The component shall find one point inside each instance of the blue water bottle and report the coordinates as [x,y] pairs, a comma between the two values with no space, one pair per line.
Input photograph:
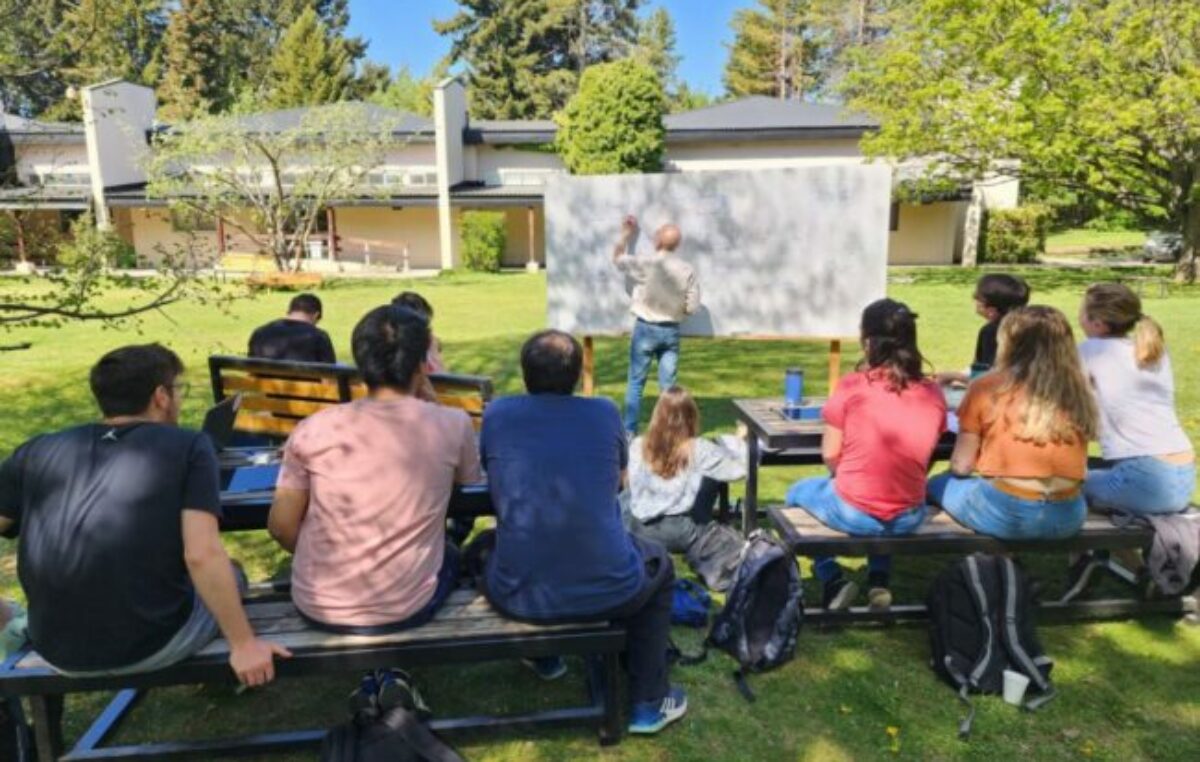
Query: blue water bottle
[793,391]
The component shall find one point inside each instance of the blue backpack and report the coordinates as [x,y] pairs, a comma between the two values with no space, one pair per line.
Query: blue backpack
[690,604]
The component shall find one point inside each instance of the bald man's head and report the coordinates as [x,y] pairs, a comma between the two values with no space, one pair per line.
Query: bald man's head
[667,237]
[551,362]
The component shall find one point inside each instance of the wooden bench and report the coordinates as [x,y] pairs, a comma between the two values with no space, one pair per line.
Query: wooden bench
[806,536]
[466,629]
[278,394]
[282,280]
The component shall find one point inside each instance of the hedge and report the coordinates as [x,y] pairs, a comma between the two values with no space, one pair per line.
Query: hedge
[483,240]
[1014,236]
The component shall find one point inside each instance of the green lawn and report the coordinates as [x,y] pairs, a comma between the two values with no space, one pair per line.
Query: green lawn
[1080,239]
[1130,690]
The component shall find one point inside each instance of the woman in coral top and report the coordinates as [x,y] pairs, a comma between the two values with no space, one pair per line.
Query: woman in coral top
[881,426]
[1021,455]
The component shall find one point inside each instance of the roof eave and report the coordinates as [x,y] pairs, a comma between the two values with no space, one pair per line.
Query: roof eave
[772,133]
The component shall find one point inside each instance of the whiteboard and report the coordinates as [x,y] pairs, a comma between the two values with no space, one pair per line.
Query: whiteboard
[794,252]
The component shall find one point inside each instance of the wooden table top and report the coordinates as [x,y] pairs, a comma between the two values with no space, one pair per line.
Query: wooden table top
[765,418]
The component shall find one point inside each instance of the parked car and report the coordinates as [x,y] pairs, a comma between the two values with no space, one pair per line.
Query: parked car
[1162,247]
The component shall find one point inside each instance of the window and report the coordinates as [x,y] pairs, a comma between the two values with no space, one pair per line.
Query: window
[421,178]
[184,220]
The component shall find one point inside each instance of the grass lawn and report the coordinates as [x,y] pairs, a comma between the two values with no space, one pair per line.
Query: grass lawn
[1081,239]
[1129,690]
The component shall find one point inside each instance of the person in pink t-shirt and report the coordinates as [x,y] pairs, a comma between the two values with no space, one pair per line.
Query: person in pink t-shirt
[881,426]
[364,487]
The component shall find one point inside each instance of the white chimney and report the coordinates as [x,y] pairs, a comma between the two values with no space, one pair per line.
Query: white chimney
[116,118]
[450,120]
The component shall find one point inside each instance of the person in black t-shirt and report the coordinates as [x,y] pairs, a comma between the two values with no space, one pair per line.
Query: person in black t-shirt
[119,552]
[295,337]
[996,294]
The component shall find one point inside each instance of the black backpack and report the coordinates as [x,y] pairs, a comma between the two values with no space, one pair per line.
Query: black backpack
[763,609]
[981,622]
[715,555]
[388,725]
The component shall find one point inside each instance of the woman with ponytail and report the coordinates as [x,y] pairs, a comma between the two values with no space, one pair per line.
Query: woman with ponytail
[1152,465]
[1024,429]
[881,426]
[675,475]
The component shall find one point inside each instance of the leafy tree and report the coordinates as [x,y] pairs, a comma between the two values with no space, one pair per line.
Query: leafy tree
[687,99]
[309,67]
[773,52]
[524,57]
[270,185]
[1100,96]
[406,93]
[193,70]
[614,124]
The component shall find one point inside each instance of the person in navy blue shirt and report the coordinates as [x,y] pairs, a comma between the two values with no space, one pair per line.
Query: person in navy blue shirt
[555,464]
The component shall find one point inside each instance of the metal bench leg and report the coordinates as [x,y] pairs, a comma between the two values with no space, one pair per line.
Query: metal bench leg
[47,726]
[610,694]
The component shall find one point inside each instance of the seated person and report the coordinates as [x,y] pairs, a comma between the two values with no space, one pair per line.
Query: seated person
[420,305]
[996,294]
[364,487]
[1152,466]
[882,424]
[119,552]
[555,464]
[1024,428]
[296,336]
[675,474]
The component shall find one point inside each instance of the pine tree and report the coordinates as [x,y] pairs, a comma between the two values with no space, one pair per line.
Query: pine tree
[311,66]
[656,47]
[406,93]
[192,84]
[774,52]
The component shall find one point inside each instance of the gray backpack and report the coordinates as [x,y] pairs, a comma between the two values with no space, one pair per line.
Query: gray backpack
[715,554]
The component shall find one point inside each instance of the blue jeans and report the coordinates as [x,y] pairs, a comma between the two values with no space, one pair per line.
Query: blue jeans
[819,498]
[1141,486]
[649,342]
[976,504]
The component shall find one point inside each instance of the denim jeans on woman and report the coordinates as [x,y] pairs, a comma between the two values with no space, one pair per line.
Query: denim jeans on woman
[819,498]
[1141,486]
[975,503]
[649,342]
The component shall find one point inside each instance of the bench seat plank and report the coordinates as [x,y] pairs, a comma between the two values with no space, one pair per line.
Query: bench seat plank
[941,534]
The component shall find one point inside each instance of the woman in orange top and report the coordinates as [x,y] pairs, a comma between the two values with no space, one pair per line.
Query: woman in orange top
[1024,429]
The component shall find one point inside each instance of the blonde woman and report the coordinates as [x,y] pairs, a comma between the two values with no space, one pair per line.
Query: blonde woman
[674,473]
[1152,465]
[1024,429]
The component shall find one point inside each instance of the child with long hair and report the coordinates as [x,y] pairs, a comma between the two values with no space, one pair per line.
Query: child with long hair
[1152,465]
[675,474]
[1024,429]
[882,424]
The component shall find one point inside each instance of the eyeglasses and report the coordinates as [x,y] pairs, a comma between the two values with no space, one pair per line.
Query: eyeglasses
[182,388]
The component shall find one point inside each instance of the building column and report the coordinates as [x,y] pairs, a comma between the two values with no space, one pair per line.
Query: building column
[532,264]
[220,236]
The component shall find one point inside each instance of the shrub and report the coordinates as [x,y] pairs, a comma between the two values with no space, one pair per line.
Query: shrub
[483,240]
[1014,236]
[87,248]
[614,123]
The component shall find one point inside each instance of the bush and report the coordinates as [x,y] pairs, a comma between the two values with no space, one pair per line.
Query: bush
[483,240]
[614,123]
[1015,236]
[92,249]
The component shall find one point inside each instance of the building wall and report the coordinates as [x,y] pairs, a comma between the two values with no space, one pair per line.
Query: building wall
[53,159]
[770,154]
[385,233]
[516,248]
[927,234]
[498,165]
[150,231]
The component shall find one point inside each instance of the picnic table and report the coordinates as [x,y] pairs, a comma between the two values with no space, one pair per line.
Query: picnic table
[776,440]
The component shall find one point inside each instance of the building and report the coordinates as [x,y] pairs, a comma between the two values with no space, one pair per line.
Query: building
[442,167]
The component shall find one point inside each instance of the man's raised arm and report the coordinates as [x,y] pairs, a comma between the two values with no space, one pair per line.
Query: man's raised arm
[629,228]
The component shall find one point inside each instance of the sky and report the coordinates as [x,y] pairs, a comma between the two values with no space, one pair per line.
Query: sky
[400,32]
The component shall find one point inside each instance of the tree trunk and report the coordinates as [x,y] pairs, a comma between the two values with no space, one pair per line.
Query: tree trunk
[19,226]
[1185,269]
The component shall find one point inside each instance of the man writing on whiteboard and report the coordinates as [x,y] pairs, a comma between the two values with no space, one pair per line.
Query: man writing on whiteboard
[665,291]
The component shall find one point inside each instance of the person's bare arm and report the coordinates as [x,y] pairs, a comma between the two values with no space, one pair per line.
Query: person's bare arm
[287,514]
[966,452]
[629,229]
[251,658]
[831,447]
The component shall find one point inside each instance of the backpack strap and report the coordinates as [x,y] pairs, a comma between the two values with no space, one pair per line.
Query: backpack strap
[964,688]
[739,677]
[418,736]
[1012,638]
[676,655]
[979,595]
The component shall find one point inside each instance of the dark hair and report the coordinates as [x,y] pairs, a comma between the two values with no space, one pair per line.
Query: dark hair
[415,302]
[309,304]
[124,380]
[1002,292]
[551,362]
[389,344]
[889,334]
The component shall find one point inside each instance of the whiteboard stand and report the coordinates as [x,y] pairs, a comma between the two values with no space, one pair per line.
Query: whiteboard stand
[589,364]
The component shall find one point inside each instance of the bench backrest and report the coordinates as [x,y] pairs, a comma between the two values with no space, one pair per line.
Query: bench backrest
[278,394]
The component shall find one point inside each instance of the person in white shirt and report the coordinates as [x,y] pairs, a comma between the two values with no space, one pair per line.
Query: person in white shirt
[664,292]
[675,474]
[1151,462]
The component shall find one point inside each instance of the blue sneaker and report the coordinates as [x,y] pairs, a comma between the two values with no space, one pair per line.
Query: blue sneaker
[547,667]
[652,716]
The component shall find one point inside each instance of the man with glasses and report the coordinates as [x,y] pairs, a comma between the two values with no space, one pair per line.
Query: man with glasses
[119,552]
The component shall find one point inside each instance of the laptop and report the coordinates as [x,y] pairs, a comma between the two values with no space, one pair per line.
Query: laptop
[218,421]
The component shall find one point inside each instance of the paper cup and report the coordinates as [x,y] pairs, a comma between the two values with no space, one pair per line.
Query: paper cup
[1014,687]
